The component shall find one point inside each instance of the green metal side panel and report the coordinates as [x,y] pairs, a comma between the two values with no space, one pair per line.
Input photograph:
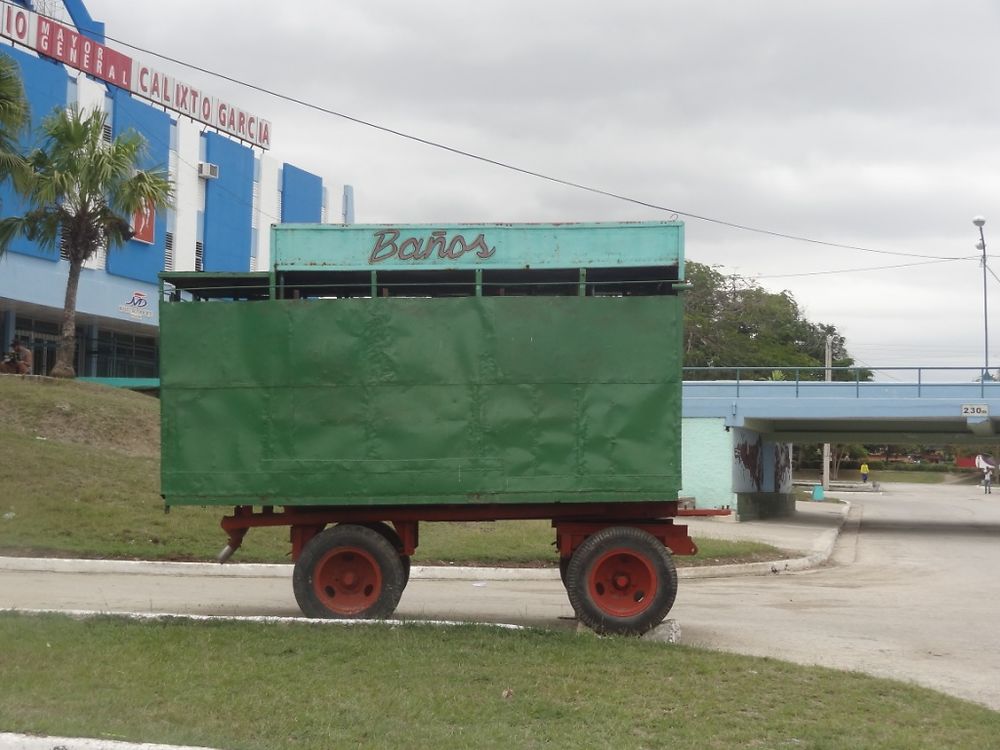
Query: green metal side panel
[418,401]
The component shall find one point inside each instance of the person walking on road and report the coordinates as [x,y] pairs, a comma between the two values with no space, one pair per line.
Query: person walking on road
[987,480]
[864,472]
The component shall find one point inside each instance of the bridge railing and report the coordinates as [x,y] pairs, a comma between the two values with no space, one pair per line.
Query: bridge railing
[859,382]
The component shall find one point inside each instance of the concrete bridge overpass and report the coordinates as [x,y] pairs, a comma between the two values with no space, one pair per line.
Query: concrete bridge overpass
[752,424]
[925,409]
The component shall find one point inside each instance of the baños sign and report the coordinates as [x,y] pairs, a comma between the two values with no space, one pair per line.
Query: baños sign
[377,247]
[436,245]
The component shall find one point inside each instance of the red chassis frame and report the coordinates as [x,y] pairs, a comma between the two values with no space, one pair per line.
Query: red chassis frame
[573,522]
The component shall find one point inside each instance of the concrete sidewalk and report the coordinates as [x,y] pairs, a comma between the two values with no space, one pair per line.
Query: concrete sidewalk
[812,531]
[11,741]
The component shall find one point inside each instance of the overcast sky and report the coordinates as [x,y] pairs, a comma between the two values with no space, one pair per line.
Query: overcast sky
[874,124]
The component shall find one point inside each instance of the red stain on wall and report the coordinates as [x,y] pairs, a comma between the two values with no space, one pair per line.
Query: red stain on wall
[749,456]
[782,466]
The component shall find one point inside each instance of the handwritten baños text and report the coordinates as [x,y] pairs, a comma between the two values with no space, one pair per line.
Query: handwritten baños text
[438,244]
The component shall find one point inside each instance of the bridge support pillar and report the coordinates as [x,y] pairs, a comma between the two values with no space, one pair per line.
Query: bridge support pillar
[762,476]
[735,467]
[754,505]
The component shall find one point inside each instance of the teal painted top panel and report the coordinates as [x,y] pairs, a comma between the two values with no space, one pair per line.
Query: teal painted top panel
[305,247]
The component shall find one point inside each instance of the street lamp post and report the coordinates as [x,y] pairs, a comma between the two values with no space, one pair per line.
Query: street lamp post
[826,446]
[979,221]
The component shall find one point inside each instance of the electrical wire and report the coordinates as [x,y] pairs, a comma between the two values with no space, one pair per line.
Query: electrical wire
[860,364]
[993,274]
[514,168]
[859,270]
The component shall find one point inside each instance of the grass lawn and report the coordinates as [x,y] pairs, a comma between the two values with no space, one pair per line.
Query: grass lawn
[889,476]
[248,686]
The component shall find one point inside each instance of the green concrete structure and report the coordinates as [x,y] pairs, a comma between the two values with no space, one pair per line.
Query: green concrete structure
[706,456]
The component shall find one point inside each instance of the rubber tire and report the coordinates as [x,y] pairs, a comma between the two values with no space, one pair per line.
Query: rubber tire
[641,544]
[564,568]
[349,535]
[390,533]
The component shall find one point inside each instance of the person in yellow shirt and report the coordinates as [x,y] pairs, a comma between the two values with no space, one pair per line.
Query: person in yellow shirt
[864,472]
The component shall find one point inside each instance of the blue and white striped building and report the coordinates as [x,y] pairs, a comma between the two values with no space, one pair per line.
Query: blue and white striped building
[228,191]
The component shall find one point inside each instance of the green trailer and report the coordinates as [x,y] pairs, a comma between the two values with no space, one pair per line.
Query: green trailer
[379,376]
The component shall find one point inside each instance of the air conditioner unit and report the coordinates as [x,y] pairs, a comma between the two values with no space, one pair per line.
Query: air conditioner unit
[208,171]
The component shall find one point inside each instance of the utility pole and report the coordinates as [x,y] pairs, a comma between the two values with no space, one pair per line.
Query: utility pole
[981,245]
[826,446]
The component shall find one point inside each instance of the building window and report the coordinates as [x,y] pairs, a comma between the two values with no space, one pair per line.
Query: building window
[99,260]
[255,212]
[121,355]
[199,256]
[41,337]
[172,160]
[168,252]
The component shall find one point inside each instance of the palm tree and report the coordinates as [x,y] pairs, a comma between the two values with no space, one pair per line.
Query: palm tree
[83,192]
[13,117]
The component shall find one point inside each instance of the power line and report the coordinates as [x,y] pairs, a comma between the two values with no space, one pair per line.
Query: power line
[876,370]
[869,268]
[523,170]
[993,274]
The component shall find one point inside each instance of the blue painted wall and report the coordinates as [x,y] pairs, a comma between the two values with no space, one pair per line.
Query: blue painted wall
[301,196]
[45,84]
[137,260]
[228,205]
[34,281]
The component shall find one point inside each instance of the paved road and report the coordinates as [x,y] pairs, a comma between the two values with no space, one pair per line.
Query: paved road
[912,592]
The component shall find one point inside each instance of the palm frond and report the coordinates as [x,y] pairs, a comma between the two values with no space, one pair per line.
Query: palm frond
[14,110]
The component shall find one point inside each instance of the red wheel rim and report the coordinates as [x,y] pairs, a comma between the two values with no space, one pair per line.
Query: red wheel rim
[347,580]
[622,583]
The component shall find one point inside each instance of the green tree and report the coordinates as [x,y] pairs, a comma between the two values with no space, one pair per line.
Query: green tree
[13,118]
[83,192]
[730,321]
[841,452]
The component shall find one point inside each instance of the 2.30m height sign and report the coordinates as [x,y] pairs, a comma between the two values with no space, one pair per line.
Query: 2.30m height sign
[975,410]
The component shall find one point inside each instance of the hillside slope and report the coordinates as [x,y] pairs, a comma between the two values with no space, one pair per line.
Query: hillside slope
[66,411]
[80,477]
